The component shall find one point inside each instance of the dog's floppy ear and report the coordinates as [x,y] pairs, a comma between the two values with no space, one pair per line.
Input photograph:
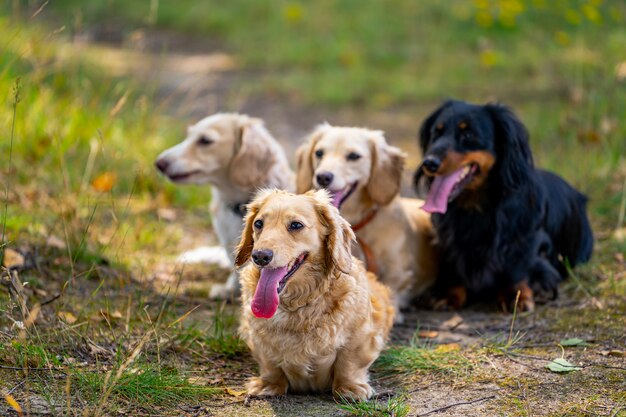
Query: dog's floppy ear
[246,242]
[340,235]
[514,161]
[304,160]
[386,172]
[427,125]
[253,154]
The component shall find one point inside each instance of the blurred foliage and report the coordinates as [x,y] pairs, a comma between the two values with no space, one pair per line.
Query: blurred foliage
[384,52]
[83,149]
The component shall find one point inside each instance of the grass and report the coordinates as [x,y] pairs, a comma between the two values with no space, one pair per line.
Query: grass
[395,406]
[219,337]
[393,52]
[421,358]
[105,360]
[82,150]
[145,385]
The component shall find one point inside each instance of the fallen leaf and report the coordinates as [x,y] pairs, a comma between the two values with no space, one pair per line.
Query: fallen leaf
[597,303]
[116,314]
[167,214]
[448,347]
[67,317]
[97,350]
[55,242]
[573,342]
[453,322]
[215,381]
[428,334]
[613,352]
[619,258]
[40,292]
[12,259]
[620,234]
[14,405]
[235,393]
[104,182]
[561,365]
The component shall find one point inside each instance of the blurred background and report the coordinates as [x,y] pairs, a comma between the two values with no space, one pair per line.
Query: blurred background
[93,90]
[106,85]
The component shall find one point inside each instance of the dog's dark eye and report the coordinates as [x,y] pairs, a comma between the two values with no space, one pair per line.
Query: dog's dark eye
[204,141]
[295,226]
[467,138]
[258,224]
[319,153]
[353,156]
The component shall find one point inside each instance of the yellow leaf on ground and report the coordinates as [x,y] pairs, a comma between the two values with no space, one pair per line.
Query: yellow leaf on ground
[9,399]
[109,315]
[67,317]
[235,393]
[104,182]
[428,334]
[448,347]
[12,258]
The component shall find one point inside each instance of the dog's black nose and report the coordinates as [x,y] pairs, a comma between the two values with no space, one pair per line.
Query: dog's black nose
[262,257]
[432,164]
[161,164]
[324,178]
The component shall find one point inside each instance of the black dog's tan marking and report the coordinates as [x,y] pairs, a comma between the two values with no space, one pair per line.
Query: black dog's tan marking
[456,160]
[503,226]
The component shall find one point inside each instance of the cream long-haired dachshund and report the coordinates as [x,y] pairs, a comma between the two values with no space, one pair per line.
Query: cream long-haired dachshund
[236,155]
[363,173]
[313,317]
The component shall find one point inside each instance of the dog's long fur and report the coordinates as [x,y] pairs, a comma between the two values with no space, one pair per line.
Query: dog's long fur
[333,317]
[512,226]
[400,235]
[236,155]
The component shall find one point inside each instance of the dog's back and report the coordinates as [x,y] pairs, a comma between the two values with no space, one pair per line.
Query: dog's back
[566,220]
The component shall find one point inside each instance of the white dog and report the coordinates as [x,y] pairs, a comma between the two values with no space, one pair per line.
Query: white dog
[236,155]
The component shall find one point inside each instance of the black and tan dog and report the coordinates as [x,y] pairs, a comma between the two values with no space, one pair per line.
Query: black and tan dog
[503,226]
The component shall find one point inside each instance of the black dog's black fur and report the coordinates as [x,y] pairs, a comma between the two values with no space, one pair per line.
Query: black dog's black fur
[523,224]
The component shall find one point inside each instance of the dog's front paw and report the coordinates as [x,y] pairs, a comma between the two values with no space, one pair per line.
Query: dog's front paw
[257,387]
[353,391]
[524,304]
[455,299]
[519,296]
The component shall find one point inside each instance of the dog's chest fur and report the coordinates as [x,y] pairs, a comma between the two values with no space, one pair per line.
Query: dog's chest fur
[467,238]
[493,243]
[304,343]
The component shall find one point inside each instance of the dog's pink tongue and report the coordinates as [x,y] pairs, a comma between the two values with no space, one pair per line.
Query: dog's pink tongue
[440,189]
[337,196]
[265,300]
